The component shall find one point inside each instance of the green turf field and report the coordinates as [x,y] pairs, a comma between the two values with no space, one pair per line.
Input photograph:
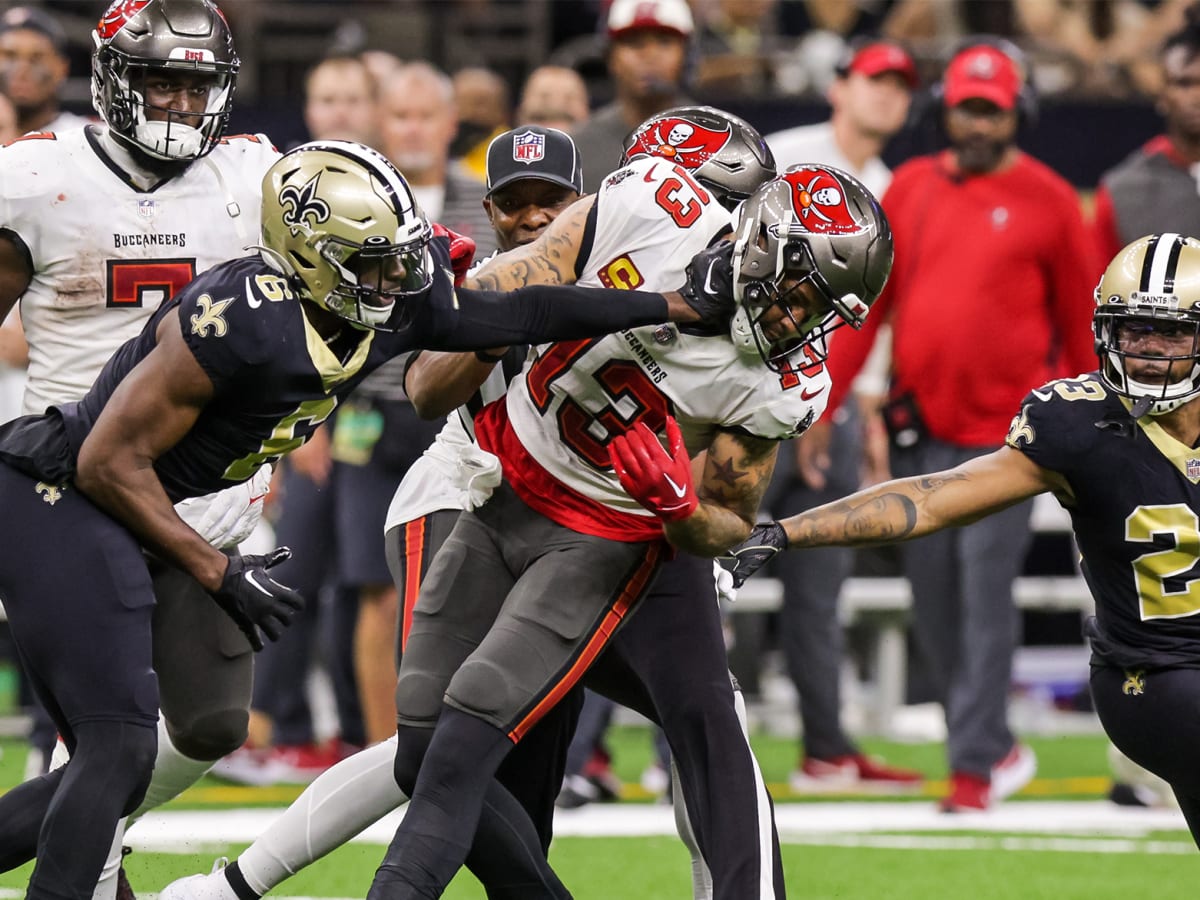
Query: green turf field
[932,863]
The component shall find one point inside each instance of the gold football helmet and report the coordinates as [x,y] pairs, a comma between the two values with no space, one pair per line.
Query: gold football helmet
[1148,309]
[342,222]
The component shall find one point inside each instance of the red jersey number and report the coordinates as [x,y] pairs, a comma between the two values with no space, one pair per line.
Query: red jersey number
[681,197]
[146,282]
[623,382]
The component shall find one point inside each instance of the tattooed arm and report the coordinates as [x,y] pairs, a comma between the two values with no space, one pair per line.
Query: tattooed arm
[736,471]
[911,507]
[548,260]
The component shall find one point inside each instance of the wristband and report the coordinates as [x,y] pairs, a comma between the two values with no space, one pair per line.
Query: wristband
[484,357]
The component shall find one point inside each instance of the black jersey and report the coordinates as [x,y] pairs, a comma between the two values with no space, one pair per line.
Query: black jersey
[275,379]
[1136,518]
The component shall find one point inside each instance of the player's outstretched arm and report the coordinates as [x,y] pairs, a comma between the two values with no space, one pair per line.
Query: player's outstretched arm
[149,412]
[548,260]
[911,507]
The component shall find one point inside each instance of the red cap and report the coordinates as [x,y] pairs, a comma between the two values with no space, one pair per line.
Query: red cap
[660,15]
[984,73]
[882,57]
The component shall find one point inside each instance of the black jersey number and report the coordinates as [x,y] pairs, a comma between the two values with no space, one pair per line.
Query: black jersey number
[634,398]
[146,283]
[1164,589]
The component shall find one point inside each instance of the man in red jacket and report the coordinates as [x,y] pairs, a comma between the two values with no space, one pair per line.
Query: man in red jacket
[990,296]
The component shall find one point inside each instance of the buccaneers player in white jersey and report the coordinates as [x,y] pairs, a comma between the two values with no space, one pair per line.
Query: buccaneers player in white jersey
[98,226]
[530,587]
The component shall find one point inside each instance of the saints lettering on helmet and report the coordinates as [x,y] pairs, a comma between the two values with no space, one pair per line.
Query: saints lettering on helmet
[117,15]
[680,140]
[819,201]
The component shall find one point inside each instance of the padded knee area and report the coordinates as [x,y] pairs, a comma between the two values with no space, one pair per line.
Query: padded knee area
[488,688]
[418,697]
[120,754]
[210,736]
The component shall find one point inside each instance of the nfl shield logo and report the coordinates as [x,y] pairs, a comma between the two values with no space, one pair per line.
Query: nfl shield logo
[147,209]
[1193,469]
[528,147]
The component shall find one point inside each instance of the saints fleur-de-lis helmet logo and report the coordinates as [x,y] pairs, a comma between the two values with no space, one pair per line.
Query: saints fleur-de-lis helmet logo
[301,203]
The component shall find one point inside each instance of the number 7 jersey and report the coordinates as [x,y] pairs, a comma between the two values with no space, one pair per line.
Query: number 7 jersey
[552,429]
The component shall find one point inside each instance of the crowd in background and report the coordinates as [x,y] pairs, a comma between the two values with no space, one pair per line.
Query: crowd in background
[602,69]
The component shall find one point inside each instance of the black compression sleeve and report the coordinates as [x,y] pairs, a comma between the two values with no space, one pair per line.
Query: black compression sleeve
[541,313]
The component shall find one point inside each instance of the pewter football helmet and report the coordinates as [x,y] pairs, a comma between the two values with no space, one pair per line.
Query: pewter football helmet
[1152,286]
[137,38]
[822,225]
[341,221]
[722,152]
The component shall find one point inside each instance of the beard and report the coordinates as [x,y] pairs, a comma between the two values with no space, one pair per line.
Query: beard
[979,155]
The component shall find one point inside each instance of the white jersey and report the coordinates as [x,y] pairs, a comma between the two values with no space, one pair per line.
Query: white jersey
[650,220]
[105,254]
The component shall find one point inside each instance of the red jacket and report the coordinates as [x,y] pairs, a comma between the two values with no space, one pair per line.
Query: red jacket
[990,295]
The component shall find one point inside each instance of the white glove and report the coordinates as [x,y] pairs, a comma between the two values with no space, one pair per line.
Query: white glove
[477,474]
[726,592]
[226,518]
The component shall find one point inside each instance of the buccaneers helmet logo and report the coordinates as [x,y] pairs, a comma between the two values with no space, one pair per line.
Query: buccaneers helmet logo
[299,203]
[117,15]
[820,202]
[680,140]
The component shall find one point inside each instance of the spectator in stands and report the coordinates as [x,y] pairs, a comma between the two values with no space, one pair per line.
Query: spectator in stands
[991,288]
[1156,187]
[647,59]
[341,101]
[33,67]
[869,102]
[736,44]
[555,97]
[483,103]
[418,123]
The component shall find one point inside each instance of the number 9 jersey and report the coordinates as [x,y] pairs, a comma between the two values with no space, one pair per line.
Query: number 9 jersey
[1136,516]
[551,431]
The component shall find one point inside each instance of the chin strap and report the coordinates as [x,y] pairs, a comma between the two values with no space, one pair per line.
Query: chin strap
[1141,406]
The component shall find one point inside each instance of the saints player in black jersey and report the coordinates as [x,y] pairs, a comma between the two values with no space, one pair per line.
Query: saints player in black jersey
[1118,448]
[232,373]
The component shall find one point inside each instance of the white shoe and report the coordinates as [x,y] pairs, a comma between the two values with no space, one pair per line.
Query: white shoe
[214,886]
[1013,772]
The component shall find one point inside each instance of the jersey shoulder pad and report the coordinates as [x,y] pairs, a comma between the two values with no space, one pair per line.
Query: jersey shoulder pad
[787,405]
[235,313]
[35,164]
[1062,420]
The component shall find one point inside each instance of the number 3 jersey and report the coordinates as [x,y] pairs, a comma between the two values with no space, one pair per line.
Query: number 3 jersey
[106,254]
[1136,517]
[552,430]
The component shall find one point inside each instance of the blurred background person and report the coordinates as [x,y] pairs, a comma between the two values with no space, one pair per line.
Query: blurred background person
[648,46]
[736,45]
[33,67]
[341,101]
[555,97]
[869,102]
[989,297]
[418,122]
[484,102]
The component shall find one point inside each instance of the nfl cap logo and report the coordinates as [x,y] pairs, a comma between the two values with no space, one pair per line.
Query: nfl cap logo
[528,147]
[532,151]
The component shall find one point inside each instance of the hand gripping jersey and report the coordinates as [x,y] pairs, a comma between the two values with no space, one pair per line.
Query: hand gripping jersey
[105,254]
[651,218]
[1136,518]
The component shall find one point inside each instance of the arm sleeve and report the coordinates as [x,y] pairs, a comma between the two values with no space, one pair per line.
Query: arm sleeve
[538,314]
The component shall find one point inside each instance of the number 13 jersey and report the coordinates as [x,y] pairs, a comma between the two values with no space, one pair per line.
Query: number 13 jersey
[552,429]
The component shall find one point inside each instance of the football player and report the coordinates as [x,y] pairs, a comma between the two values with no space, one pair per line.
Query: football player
[98,226]
[234,371]
[529,587]
[1139,534]
[525,196]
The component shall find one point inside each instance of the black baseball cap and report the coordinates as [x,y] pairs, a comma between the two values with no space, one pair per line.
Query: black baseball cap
[533,151]
[33,19]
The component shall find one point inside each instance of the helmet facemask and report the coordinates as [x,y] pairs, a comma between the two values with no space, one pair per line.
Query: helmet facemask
[373,278]
[1147,310]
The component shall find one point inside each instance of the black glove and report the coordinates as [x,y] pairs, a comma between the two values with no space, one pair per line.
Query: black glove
[254,600]
[756,551]
[709,289]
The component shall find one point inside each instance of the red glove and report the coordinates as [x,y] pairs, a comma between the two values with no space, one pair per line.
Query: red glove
[659,481]
[462,251]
